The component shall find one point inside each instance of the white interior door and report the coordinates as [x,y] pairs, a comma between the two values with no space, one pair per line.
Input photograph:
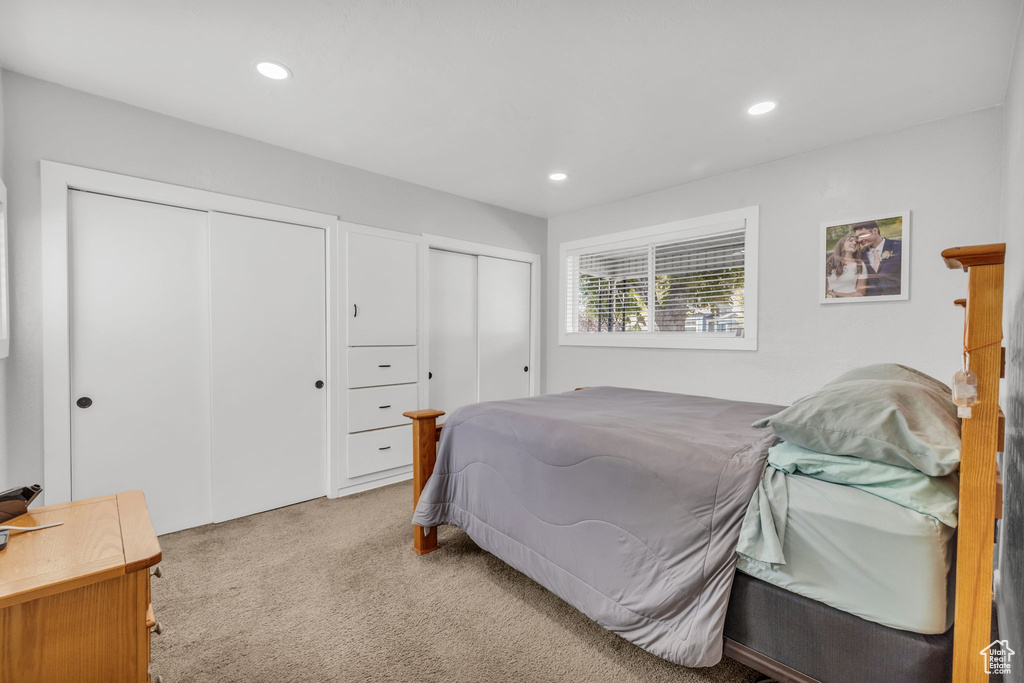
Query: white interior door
[268,289]
[504,328]
[382,276]
[140,356]
[453,330]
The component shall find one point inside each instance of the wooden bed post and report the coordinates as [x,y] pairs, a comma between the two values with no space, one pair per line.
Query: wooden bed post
[979,443]
[424,455]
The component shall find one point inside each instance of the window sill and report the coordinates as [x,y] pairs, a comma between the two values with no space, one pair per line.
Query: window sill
[664,340]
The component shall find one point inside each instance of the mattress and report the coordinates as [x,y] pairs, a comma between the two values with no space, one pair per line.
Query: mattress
[864,555]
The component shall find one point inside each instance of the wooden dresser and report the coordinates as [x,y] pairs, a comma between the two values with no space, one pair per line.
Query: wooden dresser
[74,599]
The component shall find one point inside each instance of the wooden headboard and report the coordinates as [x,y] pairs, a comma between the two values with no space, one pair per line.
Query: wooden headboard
[981,438]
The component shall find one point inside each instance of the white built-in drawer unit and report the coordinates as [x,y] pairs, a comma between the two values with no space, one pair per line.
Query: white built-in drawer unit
[382,357]
[379,407]
[374,366]
[379,450]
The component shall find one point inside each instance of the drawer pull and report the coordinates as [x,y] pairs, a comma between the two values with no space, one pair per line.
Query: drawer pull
[158,573]
[158,628]
[355,310]
[383,366]
[384,448]
[383,407]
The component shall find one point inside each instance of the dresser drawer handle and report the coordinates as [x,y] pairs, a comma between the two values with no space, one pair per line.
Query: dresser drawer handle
[383,366]
[158,628]
[384,448]
[158,573]
[383,407]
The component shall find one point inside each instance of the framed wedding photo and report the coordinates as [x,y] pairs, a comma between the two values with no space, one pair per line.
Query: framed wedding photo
[865,260]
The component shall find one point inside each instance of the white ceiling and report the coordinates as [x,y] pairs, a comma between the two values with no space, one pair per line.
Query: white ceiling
[484,98]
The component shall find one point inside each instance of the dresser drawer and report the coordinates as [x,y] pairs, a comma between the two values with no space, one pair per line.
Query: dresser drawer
[377,365]
[379,450]
[379,407]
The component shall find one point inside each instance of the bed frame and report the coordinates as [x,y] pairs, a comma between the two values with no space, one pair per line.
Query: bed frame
[980,488]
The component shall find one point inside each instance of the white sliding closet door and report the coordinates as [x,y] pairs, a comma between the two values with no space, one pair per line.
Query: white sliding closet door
[140,355]
[453,330]
[504,328]
[268,353]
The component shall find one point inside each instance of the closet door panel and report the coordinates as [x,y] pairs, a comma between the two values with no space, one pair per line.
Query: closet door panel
[269,350]
[140,322]
[504,328]
[453,330]
[382,284]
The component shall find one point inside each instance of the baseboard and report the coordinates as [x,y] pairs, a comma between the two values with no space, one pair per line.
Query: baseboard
[376,483]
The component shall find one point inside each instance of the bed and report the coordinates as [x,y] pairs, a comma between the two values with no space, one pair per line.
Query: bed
[531,481]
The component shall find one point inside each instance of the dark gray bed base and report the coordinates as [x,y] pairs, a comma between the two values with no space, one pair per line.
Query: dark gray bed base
[810,642]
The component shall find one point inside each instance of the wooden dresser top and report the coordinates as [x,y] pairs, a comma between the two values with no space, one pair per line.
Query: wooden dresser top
[101,538]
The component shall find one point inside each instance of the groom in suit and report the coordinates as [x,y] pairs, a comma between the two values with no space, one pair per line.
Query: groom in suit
[882,257]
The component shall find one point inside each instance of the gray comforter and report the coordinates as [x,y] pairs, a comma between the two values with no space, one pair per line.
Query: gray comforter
[625,503]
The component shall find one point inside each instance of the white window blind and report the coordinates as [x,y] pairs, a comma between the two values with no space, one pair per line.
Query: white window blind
[683,284]
[699,284]
[611,288]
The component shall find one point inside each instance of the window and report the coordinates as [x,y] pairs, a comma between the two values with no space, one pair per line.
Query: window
[687,284]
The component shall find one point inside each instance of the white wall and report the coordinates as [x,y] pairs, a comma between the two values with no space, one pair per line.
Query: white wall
[3,362]
[946,172]
[1013,178]
[47,121]
[1,123]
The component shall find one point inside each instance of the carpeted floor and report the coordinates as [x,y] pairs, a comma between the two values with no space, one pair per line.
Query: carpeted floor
[330,590]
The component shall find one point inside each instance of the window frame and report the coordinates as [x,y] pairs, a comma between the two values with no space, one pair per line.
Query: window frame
[747,217]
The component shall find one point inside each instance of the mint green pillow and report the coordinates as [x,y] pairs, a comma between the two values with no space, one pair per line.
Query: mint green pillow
[933,496]
[902,423]
[891,371]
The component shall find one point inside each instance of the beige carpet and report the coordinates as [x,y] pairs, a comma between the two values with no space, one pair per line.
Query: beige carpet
[330,590]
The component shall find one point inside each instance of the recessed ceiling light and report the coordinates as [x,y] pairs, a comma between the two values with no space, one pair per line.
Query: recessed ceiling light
[558,176]
[273,70]
[761,108]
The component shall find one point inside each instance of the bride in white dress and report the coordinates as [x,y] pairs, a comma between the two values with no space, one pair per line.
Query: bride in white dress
[845,273]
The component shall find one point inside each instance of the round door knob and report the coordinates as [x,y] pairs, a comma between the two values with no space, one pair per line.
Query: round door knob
[84,402]
[319,384]
[526,368]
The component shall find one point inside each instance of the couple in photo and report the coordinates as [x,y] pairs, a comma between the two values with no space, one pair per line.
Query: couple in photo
[864,263]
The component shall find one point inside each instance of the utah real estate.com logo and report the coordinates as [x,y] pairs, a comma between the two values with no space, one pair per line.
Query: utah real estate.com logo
[997,657]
